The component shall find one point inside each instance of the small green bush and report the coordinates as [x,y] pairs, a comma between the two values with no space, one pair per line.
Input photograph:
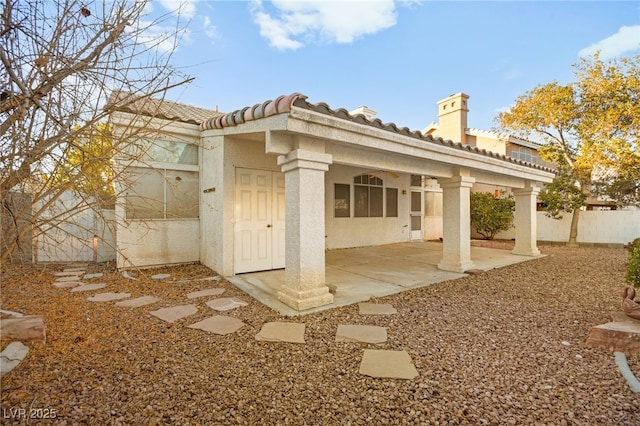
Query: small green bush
[633,270]
[490,214]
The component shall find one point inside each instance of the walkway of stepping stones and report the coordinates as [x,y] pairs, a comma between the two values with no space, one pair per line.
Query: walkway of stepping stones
[375,363]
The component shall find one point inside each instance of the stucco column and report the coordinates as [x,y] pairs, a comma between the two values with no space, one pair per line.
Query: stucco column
[304,286]
[456,224]
[525,221]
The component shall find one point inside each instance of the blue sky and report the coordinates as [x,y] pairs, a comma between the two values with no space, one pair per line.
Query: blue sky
[396,57]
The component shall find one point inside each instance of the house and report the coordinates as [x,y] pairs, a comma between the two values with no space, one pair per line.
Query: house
[276,184]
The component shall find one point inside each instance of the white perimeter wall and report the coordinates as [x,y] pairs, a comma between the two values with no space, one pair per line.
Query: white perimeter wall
[68,230]
[594,226]
[344,232]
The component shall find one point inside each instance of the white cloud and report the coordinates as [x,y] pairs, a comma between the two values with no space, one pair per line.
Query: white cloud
[625,40]
[210,30]
[292,24]
[163,38]
[183,8]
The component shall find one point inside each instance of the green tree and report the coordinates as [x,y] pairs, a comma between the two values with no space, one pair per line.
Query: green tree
[590,129]
[491,214]
[87,163]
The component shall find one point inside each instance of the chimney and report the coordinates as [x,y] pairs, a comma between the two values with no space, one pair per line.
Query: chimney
[452,117]
[367,112]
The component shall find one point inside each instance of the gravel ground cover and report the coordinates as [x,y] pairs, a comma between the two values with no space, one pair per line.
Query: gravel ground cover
[503,347]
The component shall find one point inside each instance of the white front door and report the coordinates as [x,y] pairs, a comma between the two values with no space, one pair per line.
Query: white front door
[260,220]
[416,215]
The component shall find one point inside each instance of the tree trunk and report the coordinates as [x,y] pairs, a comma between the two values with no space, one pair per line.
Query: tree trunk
[573,233]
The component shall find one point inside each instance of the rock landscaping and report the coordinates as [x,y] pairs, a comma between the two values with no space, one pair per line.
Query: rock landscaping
[503,347]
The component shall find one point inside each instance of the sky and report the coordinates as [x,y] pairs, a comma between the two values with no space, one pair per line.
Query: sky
[396,57]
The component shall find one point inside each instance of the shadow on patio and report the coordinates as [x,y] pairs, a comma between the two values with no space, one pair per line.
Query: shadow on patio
[361,273]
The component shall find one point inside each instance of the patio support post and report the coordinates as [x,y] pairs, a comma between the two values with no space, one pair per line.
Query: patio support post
[456,235]
[525,221]
[304,286]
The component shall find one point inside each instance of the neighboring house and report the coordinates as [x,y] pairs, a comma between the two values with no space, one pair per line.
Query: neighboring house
[276,184]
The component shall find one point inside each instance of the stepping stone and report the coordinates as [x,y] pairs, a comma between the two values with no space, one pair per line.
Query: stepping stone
[88,287]
[225,303]
[11,356]
[90,276]
[68,278]
[361,333]
[68,284]
[12,313]
[128,276]
[214,278]
[27,328]
[387,364]
[174,313]
[108,297]
[219,325]
[282,332]
[207,292]
[160,276]
[377,309]
[139,301]
[78,269]
[67,273]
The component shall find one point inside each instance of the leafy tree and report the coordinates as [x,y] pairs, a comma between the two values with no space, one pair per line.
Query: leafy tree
[590,128]
[491,214]
[86,163]
[60,60]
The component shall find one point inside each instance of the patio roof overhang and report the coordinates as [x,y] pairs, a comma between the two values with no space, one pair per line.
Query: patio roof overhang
[290,123]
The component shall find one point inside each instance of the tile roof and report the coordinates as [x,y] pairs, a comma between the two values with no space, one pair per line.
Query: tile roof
[160,108]
[285,103]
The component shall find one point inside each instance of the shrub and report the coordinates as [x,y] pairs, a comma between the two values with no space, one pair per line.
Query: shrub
[633,270]
[490,214]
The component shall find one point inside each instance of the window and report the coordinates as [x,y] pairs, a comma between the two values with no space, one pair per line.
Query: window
[367,191]
[161,194]
[392,202]
[342,207]
[525,154]
[165,151]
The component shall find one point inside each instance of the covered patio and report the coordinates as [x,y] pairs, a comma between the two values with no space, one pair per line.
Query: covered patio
[358,274]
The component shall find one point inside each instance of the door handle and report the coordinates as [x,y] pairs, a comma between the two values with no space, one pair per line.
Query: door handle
[269,226]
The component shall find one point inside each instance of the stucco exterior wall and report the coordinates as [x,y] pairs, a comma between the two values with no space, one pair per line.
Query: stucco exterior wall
[220,156]
[152,242]
[157,242]
[345,232]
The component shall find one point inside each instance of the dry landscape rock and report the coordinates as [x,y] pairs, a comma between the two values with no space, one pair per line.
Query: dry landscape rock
[488,349]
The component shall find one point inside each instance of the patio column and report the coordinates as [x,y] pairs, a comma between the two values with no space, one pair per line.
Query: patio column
[456,224]
[304,286]
[525,221]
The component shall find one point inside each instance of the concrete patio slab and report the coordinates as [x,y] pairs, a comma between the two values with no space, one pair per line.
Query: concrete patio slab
[219,324]
[138,302]
[388,364]
[226,303]
[376,309]
[174,313]
[108,297]
[361,333]
[361,273]
[282,332]
[88,287]
[208,292]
